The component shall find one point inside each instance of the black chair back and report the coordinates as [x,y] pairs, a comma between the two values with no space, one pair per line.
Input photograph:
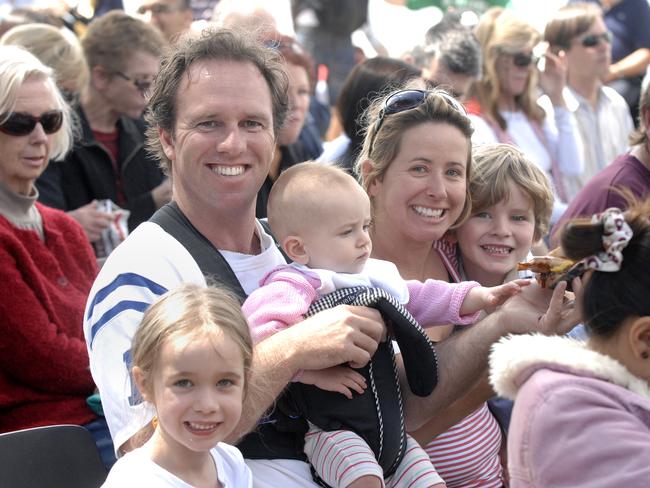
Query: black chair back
[58,456]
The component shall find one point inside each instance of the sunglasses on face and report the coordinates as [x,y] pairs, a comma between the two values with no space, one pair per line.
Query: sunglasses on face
[523,60]
[19,124]
[404,100]
[595,39]
[142,85]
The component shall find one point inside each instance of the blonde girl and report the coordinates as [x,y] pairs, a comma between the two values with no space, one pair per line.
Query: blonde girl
[191,358]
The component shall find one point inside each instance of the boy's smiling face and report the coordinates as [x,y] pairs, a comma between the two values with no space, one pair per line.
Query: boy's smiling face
[495,239]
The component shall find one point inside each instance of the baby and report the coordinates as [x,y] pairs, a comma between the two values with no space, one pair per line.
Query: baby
[321,217]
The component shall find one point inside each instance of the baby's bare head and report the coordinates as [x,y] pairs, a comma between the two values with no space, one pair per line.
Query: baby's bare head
[299,197]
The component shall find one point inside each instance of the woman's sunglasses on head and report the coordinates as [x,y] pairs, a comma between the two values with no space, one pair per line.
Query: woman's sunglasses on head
[594,40]
[403,100]
[19,124]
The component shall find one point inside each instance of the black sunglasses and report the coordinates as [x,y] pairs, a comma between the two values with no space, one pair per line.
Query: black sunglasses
[142,85]
[403,100]
[523,60]
[595,39]
[19,124]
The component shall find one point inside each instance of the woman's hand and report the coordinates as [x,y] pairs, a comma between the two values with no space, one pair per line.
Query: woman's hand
[552,79]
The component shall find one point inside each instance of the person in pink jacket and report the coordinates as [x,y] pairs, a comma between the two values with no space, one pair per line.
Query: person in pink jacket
[321,217]
[582,410]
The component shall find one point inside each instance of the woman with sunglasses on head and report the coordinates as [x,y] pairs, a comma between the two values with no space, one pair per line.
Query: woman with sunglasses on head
[581,417]
[415,165]
[504,105]
[46,264]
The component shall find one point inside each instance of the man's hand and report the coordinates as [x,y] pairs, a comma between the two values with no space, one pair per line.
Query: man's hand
[340,335]
[538,309]
[339,379]
[92,221]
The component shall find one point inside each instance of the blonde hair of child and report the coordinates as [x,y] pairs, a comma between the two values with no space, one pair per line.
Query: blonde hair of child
[296,199]
[191,311]
[495,165]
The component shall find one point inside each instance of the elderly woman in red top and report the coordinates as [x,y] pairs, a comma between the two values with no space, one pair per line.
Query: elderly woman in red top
[46,263]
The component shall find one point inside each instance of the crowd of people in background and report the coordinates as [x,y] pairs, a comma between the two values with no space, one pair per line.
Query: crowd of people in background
[246,254]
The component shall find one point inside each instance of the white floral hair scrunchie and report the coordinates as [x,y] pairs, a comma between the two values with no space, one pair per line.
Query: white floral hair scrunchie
[616,234]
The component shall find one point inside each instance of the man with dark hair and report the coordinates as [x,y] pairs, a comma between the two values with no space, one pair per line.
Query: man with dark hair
[454,57]
[214,114]
[172,17]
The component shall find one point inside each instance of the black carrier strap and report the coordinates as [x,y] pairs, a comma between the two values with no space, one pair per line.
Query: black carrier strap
[281,434]
[211,263]
[377,414]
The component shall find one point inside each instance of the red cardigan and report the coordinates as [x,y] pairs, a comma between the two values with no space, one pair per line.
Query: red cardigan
[44,372]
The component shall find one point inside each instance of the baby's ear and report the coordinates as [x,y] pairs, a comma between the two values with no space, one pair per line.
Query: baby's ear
[295,249]
[142,383]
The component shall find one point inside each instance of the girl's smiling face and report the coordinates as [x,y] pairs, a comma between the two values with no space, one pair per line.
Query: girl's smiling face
[197,387]
[495,239]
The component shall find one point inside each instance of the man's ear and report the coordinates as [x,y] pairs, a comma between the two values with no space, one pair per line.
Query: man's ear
[640,338]
[295,249]
[167,143]
[366,168]
[142,382]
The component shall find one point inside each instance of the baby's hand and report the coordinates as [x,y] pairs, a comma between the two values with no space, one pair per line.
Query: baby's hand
[340,379]
[496,295]
[487,298]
